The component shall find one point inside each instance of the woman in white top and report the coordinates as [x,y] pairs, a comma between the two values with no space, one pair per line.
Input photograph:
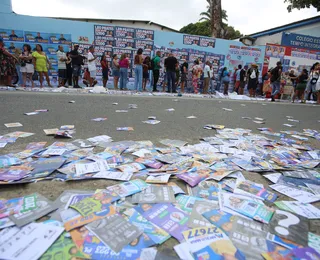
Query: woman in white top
[27,68]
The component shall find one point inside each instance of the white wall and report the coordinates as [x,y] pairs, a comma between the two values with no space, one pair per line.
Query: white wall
[136,24]
[312,30]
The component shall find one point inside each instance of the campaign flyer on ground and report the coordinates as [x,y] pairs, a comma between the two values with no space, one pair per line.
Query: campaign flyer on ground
[201,206]
[169,218]
[220,219]
[211,243]
[290,226]
[155,194]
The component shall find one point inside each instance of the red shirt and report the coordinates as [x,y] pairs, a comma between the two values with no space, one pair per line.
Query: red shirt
[124,63]
[104,64]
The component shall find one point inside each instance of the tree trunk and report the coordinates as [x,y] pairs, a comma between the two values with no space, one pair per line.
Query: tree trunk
[216,18]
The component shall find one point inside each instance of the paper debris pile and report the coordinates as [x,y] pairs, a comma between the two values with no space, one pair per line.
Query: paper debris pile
[196,194]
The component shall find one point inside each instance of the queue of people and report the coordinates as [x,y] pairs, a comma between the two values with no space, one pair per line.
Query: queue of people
[34,65]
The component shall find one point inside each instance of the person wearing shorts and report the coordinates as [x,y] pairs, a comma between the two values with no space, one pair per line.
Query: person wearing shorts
[41,62]
[76,62]
[92,65]
[62,66]
[27,68]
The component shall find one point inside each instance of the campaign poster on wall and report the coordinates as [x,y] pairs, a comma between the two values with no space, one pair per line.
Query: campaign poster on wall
[12,47]
[123,43]
[61,38]
[36,37]
[191,40]
[119,51]
[100,50]
[103,35]
[12,35]
[123,32]
[275,51]
[200,56]
[180,55]
[142,34]
[234,50]
[207,42]
[144,44]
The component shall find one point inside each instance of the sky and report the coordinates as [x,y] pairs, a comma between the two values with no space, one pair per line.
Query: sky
[247,16]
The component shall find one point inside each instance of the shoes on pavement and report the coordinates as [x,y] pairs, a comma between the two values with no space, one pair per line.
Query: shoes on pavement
[77,86]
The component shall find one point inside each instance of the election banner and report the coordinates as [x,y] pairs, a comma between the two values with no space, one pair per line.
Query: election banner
[207,42]
[100,50]
[143,34]
[191,40]
[12,35]
[103,35]
[36,37]
[60,38]
[144,44]
[123,43]
[124,32]
[119,51]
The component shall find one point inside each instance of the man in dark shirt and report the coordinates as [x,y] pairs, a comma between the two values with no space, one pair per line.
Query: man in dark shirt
[170,63]
[77,61]
[276,80]
[62,39]
[13,34]
[38,37]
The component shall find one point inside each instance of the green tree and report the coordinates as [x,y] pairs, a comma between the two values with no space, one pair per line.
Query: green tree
[203,29]
[300,4]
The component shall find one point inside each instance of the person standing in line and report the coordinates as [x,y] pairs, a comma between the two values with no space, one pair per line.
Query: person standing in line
[41,63]
[170,64]
[206,77]
[156,70]
[211,84]
[276,80]
[237,79]
[313,79]
[124,66]
[77,61]
[69,70]
[62,67]
[225,79]
[301,86]
[184,75]
[196,72]
[27,70]
[138,60]
[105,70]
[253,76]
[177,75]
[92,65]
[115,71]
[146,67]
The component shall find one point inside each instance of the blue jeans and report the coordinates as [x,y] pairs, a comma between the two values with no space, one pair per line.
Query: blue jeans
[123,78]
[18,67]
[275,88]
[138,78]
[171,77]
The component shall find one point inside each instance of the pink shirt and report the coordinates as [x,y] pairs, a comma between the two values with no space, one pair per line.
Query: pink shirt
[124,63]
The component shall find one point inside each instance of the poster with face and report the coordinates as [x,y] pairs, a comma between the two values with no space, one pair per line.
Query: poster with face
[144,44]
[143,34]
[124,43]
[124,32]
[207,42]
[191,40]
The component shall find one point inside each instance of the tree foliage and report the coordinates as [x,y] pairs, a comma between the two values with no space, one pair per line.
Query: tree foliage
[300,4]
[203,29]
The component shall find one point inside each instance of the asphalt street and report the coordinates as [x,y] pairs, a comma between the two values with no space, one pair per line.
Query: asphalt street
[174,125]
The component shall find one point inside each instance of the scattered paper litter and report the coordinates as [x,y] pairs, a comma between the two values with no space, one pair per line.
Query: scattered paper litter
[293,120]
[246,117]
[31,113]
[125,129]
[227,109]
[51,131]
[259,119]
[121,111]
[2,145]
[191,117]
[115,104]
[99,119]
[152,117]
[151,122]
[13,125]
[289,117]
[258,122]
[72,101]
[41,110]
[288,125]
[67,127]
[243,105]
[170,109]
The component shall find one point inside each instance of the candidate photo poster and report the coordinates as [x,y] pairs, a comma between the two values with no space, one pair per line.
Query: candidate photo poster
[142,34]
[12,35]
